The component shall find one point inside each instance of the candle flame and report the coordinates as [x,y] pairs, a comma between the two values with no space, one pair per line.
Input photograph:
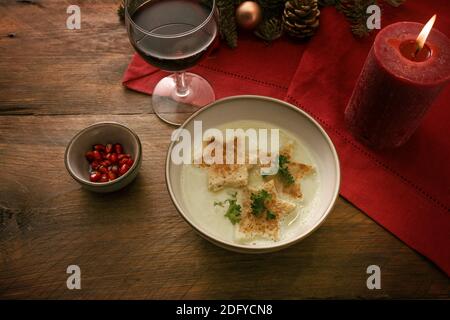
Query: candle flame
[424,33]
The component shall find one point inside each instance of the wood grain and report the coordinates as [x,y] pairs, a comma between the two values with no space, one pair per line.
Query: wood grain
[133,244]
[84,67]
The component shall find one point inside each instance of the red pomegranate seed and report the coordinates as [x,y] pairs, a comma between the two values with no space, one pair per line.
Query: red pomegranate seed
[123,160]
[95,165]
[112,175]
[97,155]
[90,156]
[113,158]
[103,169]
[95,176]
[108,148]
[123,169]
[123,155]
[118,148]
[99,147]
[104,178]
[115,169]
[106,163]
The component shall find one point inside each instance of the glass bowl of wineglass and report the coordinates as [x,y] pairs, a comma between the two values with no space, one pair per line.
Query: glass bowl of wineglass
[174,35]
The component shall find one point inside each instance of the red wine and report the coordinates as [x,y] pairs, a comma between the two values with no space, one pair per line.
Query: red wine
[161,20]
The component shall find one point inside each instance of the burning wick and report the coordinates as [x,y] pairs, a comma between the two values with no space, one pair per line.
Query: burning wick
[423,35]
[417,50]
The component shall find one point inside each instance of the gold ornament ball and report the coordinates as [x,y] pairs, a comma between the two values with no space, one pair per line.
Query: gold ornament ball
[248,15]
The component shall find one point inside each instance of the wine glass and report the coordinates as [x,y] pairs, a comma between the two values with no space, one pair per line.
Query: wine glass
[174,35]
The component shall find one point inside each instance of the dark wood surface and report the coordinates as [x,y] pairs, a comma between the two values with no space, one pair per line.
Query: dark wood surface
[133,244]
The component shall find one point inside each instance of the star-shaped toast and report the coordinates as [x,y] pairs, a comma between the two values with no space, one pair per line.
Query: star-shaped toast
[227,175]
[290,172]
[265,222]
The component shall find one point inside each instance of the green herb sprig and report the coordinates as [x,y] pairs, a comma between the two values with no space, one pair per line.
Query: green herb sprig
[283,171]
[233,212]
[258,204]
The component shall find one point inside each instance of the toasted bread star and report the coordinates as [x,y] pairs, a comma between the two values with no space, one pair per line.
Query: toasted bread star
[266,224]
[227,175]
[296,170]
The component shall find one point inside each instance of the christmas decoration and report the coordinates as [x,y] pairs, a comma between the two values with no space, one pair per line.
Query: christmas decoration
[273,16]
[270,29]
[227,21]
[355,12]
[248,15]
[301,18]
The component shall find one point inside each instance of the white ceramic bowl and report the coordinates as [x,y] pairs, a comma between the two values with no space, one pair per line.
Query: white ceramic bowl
[287,117]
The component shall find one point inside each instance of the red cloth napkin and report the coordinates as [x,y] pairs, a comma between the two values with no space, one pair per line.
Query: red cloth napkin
[406,190]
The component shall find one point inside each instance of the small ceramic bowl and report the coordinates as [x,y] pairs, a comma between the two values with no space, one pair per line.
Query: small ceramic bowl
[281,115]
[103,132]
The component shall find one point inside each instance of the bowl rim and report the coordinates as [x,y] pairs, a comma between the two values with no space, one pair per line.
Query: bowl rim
[241,247]
[99,124]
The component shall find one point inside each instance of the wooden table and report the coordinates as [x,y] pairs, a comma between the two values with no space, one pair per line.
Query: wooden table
[133,244]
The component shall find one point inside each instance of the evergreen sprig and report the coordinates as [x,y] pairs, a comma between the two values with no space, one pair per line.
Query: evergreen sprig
[269,29]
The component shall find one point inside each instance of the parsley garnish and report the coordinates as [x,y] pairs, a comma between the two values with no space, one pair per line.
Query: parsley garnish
[234,210]
[283,171]
[259,204]
[270,215]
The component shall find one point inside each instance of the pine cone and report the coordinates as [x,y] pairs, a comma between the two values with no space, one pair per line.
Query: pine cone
[301,18]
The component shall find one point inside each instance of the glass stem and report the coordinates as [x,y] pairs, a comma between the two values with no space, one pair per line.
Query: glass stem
[182,88]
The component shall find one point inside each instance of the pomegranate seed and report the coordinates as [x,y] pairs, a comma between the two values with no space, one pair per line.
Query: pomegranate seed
[97,155]
[118,148]
[113,158]
[95,176]
[106,163]
[123,155]
[102,169]
[99,147]
[124,160]
[115,169]
[123,169]
[90,156]
[112,175]
[108,148]
[95,165]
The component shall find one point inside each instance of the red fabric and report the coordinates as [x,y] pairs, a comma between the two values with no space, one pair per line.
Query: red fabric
[406,190]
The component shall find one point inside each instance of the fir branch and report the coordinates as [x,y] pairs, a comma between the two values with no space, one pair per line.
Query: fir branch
[227,20]
[270,29]
[327,3]
[355,12]
[395,3]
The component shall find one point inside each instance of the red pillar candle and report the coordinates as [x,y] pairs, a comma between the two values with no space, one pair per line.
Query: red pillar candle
[398,84]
